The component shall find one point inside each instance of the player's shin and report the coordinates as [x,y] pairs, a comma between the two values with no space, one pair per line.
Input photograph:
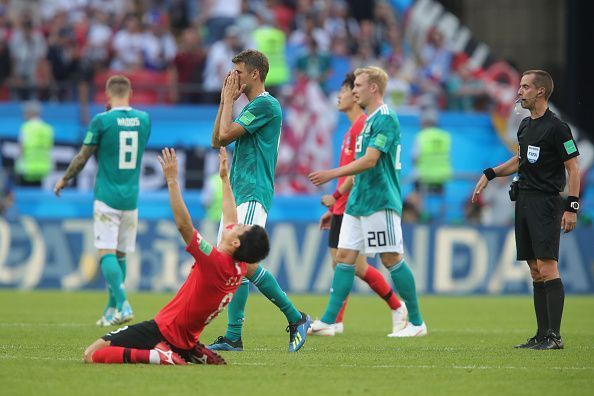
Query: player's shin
[114,278]
[404,281]
[342,283]
[236,311]
[270,288]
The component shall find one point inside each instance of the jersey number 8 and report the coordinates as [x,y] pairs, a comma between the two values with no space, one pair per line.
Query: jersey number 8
[128,149]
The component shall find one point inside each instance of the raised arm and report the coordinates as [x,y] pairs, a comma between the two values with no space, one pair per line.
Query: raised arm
[226,131]
[76,165]
[229,207]
[180,211]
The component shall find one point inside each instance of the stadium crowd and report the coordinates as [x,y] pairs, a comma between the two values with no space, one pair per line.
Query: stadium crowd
[178,51]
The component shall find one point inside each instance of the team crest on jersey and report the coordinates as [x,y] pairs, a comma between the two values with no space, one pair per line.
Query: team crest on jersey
[532,154]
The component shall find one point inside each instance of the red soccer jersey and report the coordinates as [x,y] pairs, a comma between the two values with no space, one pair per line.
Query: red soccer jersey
[347,155]
[213,279]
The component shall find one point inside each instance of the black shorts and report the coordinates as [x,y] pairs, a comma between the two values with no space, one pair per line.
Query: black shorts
[143,335]
[538,225]
[334,231]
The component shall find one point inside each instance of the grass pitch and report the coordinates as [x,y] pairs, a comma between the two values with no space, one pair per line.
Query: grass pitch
[468,350]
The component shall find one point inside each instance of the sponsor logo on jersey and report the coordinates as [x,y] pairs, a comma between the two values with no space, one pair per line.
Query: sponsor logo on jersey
[532,154]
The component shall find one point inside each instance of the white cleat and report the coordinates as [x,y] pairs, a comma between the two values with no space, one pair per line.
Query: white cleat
[411,331]
[319,328]
[399,319]
[338,328]
[107,317]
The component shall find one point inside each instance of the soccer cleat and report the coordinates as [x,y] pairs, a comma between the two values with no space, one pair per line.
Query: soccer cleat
[399,319]
[202,355]
[319,328]
[123,316]
[107,317]
[550,341]
[224,344]
[531,342]
[411,331]
[167,356]
[298,332]
[338,328]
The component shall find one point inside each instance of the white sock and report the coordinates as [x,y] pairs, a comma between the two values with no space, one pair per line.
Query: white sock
[154,357]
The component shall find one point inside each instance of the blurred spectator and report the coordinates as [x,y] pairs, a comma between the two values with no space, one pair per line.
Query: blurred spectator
[5,61]
[465,91]
[63,61]
[128,45]
[398,90]
[362,10]
[212,198]
[497,209]
[189,64]
[36,140]
[218,16]
[436,58]
[314,65]
[270,40]
[99,35]
[218,63]
[159,46]
[310,27]
[28,50]
[6,193]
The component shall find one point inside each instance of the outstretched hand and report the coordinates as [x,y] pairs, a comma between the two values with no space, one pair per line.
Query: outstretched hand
[168,163]
[223,169]
[320,177]
[60,184]
[480,186]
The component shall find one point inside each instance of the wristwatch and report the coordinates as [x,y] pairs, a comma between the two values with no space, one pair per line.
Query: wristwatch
[575,206]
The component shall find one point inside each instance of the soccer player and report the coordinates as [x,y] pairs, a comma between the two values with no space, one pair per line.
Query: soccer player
[332,219]
[118,136]
[172,336]
[256,133]
[371,223]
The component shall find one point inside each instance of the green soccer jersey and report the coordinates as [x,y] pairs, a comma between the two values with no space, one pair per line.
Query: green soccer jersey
[120,135]
[378,188]
[256,151]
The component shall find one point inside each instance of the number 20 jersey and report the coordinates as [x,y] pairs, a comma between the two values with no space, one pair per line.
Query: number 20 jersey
[120,135]
[208,289]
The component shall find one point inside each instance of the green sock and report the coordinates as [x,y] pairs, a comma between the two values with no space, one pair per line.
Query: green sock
[114,278]
[111,302]
[269,287]
[404,281]
[342,283]
[122,263]
[235,317]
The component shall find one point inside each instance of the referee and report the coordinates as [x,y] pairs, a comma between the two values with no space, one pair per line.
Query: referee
[546,151]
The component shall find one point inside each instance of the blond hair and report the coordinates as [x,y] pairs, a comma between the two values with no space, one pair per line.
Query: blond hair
[375,75]
[118,85]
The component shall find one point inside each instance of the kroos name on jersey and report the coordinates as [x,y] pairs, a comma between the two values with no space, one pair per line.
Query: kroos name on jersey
[129,122]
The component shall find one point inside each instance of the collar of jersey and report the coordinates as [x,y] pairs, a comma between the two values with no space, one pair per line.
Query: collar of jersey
[384,106]
[127,108]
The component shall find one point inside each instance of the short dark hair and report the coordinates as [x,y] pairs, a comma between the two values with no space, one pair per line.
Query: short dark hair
[253,60]
[349,80]
[542,79]
[254,245]
[118,85]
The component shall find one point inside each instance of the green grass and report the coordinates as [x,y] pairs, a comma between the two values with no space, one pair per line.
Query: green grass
[468,351]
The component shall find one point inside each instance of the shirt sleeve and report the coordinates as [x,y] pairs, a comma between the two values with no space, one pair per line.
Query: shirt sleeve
[93,132]
[383,134]
[255,116]
[564,143]
[199,247]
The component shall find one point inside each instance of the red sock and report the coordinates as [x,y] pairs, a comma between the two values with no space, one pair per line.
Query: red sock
[378,284]
[113,354]
[341,312]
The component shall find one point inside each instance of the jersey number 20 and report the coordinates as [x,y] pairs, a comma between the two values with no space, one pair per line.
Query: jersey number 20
[128,149]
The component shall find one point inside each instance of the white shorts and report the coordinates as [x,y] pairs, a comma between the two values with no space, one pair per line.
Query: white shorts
[251,212]
[378,233]
[114,229]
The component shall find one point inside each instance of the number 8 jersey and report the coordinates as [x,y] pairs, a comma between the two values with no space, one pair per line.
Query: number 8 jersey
[120,135]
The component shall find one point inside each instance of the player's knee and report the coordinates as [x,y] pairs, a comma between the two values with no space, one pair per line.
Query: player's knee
[391,259]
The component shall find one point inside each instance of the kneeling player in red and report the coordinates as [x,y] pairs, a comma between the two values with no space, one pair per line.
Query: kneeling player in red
[172,336]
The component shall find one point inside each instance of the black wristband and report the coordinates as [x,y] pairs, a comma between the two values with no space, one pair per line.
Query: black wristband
[490,173]
[572,204]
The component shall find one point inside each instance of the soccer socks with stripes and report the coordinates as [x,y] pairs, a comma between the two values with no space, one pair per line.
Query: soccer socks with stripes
[270,288]
[378,284]
[114,354]
[555,300]
[236,313]
[404,281]
[342,283]
[114,278]
[540,308]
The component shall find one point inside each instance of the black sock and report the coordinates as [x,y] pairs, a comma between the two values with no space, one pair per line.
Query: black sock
[555,299]
[540,309]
